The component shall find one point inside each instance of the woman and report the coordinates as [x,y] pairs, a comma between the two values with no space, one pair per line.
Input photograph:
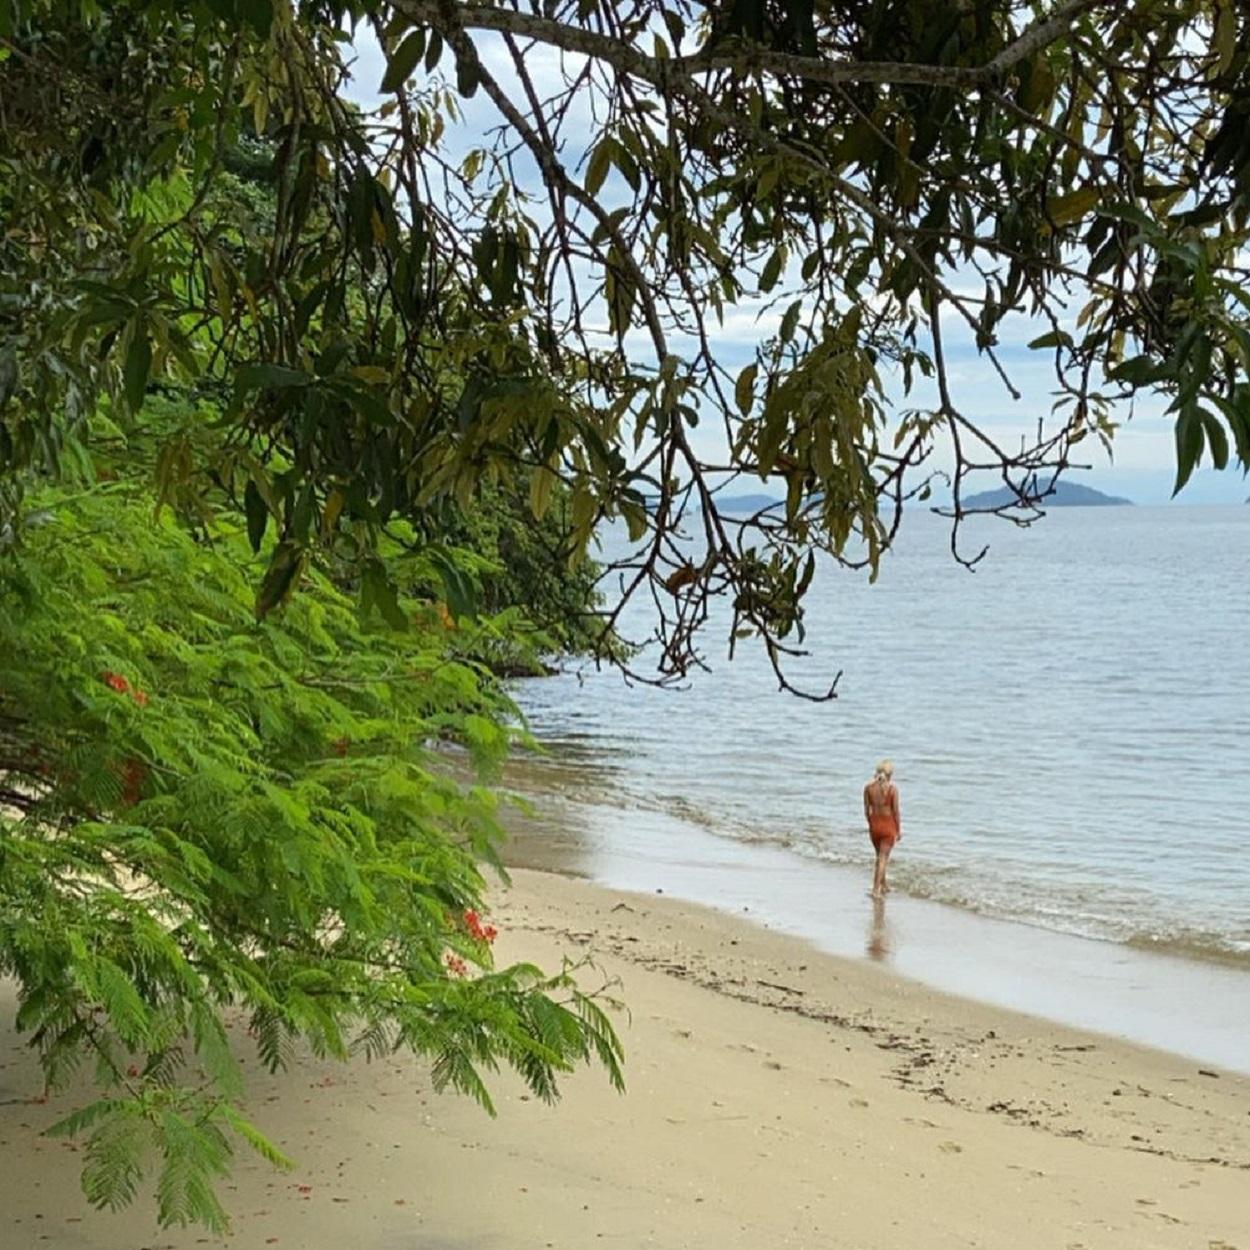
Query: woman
[884,827]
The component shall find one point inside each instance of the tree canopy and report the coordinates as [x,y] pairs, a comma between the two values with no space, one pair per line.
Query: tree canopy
[424,313]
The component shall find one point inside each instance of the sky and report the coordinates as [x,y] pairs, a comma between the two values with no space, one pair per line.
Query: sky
[1143,464]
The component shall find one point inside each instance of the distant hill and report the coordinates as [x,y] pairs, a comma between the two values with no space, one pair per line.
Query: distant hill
[1066,495]
[743,505]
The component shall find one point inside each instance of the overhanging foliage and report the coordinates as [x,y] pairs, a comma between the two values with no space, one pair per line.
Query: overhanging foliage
[416,319]
[202,813]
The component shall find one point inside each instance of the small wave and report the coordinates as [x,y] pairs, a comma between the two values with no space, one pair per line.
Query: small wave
[1196,945]
[1079,909]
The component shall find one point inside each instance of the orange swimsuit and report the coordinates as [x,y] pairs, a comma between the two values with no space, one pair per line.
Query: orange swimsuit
[882,822]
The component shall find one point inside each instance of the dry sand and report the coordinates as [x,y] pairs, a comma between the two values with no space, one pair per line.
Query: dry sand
[777,1097]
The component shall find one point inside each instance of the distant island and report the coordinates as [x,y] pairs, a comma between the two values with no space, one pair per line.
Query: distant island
[1065,495]
[744,505]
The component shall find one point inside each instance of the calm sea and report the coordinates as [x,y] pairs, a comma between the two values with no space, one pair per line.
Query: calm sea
[1070,726]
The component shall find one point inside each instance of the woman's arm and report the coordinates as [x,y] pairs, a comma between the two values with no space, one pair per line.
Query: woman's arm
[898,816]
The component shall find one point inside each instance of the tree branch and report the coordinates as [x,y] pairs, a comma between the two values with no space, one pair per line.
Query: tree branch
[744,56]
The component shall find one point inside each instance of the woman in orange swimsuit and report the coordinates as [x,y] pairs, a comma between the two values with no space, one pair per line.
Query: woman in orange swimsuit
[884,825]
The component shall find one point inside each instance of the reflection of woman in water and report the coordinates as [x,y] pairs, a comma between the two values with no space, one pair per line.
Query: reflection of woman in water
[884,826]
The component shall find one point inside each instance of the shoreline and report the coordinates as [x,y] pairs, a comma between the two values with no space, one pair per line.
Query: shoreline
[1192,1007]
[776,1095]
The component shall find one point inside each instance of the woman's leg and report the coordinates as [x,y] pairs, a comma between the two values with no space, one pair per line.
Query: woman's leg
[878,875]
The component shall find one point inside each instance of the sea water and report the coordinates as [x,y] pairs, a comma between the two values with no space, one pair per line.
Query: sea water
[1069,724]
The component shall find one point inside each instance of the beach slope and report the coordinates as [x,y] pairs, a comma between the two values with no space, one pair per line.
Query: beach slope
[777,1097]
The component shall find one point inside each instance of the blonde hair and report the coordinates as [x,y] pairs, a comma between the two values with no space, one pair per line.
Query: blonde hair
[885,770]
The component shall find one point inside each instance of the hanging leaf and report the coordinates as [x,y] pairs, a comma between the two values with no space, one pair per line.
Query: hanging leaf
[433,51]
[597,167]
[280,577]
[1225,42]
[468,77]
[403,61]
[377,590]
[137,368]
[542,482]
[790,322]
[1216,439]
[257,514]
[1062,210]
[772,270]
[744,390]
[1188,445]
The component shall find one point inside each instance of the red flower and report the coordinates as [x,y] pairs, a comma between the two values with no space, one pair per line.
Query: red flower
[457,965]
[140,697]
[482,933]
[115,681]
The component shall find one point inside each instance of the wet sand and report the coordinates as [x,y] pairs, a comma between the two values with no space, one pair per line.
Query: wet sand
[778,1097]
[1194,1007]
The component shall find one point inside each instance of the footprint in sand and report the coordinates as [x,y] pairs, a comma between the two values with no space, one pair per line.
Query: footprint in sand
[950,1148]
[858,1102]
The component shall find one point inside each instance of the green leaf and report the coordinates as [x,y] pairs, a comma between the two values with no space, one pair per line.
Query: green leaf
[542,482]
[744,389]
[768,180]
[8,372]
[255,1138]
[598,165]
[468,77]
[1225,42]
[433,51]
[458,586]
[84,1117]
[1188,445]
[1217,440]
[772,270]
[403,61]
[377,590]
[1062,210]
[620,294]
[1138,371]
[790,322]
[257,514]
[1055,338]
[138,367]
[280,577]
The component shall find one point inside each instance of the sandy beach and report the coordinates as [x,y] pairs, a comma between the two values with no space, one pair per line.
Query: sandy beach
[778,1097]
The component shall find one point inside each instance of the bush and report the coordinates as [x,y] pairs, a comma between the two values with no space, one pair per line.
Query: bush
[203,811]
